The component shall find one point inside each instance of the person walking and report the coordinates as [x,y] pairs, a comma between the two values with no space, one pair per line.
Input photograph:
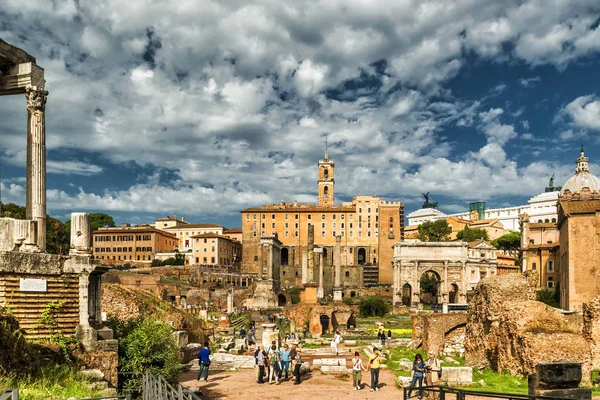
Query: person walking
[389,337]
[374,365]
[242,333]
[381,336]
[297,365]
[275,364]
[285,361]
[336,342]
[203,362]
[418,372]
[261,360]
[357,368]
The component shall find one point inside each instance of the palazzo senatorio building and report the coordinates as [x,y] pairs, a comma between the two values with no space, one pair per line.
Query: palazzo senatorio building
[368,227]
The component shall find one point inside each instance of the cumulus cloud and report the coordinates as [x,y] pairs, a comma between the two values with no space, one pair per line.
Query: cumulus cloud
[583,112]
[233,98]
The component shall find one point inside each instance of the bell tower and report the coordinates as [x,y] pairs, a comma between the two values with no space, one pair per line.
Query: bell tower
[326,180]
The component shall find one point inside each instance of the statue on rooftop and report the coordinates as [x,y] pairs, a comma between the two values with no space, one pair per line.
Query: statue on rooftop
[427,203]
[551,187]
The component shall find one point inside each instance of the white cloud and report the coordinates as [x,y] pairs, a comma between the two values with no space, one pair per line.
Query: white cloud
[72,168]
[310,78]
[495,131]
[529,82]
[583,112]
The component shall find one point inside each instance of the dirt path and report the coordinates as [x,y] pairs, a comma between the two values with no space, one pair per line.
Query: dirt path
[315,385]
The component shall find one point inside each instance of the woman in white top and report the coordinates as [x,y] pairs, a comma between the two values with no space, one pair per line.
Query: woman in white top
[336,342]
[357,368]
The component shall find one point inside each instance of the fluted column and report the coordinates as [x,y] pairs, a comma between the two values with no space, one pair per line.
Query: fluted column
[36,161]
[81,240]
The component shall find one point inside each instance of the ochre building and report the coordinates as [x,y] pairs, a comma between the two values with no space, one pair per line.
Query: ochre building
[368,227]
[131,244]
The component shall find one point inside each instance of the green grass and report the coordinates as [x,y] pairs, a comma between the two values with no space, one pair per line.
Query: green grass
[53,383]
[498,383]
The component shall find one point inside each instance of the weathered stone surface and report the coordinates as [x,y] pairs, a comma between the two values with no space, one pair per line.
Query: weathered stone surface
[442,333]
[591,329]
[335,370]
[329,361]
[105,362]
[576,393]
[93,374]
[405,365]
[508,331]
[556,375]
[404,381]
[18,235]
[181,338]
[457,376]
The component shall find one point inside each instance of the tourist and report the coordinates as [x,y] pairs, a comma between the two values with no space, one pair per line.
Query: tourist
[389,337]
[381,336]
[336,342]
[294,351]
[293,336]
[285,361]
[418,371]
[275,363]
[203,362]
[357,368]
[242,333]
[261,360]
[432,369]
[297,364]
[374,364]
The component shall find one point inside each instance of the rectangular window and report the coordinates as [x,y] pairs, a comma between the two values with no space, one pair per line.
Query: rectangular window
[334,225]
[247,219]
[212,260]
[296,225]
[322,216]
[272,216]
[286,234]
[351,234]
[309,216]
[333,233]
[323,234]
[296,233]
[351,217]
[263,225]
[273,225]
[359,233]
[550,282]
[323,225]
[254,233]
[550,266]
[333,216]
[342,225]
[296,216]
[533,266]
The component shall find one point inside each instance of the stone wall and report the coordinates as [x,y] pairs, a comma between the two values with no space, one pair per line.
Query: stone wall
[338,315]
[107,362]
[443,333]
[591,329]
[507,330]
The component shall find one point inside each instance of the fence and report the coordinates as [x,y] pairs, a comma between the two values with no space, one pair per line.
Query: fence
[9,394]
[109,398]
[157,388]
[449,393]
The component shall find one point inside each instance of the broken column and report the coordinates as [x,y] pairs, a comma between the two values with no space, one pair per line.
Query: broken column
[36,161]
[337,261]
[320,290]
[230,301]
[270,334]
[81,239]
[305,267]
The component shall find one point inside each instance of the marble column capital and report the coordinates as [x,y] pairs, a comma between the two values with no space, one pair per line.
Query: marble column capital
[36,98]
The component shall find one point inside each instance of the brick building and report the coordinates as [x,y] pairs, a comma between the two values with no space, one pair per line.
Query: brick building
[131,244]
[368,226]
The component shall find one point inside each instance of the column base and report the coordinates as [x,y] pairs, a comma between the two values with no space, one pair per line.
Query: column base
[337,294]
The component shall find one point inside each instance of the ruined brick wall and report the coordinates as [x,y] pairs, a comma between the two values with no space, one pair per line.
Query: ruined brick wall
[27,307]
[107,362]
[591,329]
[438,331]
[509,331]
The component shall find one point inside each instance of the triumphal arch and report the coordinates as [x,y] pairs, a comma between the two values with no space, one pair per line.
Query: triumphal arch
[19,74]
[448,269]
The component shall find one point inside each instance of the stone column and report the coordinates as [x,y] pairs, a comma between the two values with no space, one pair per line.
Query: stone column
[36,161]
[81,243]
[230,301]
[305,267]
[337,261]
[261,267]
[84,282]
[445,294]
[311,253]
[320,290]
[270,262]
[417,288]
[463,278]
[396,284]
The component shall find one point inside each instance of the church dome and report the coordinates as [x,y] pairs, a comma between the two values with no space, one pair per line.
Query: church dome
[582,178]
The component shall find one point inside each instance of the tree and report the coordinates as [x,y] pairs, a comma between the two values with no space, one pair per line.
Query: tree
[429,283]
[373,306]
[472,234]
[97,221]
[435,231]
[511,242]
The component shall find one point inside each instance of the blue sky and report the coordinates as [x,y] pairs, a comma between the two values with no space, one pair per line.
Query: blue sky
[200,108]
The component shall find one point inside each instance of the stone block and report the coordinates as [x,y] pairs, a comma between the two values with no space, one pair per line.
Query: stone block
[93,375]
[335,370]
[190,352]
[405,365]
[348,343]
[181,338]
[572,393]
[556,375]
[105,333]
[227,345]
[103,346]
[329,361]
[305,367]
[404,381]
[240,344]
[457,376]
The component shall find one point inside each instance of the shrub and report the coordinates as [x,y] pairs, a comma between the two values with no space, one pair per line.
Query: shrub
[150,346]
[548,297]
[373,306]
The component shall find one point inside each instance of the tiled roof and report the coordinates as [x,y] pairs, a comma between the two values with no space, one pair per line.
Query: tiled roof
[195,226]
[212,235]
[580,206]
[280,209]
[233,230]
[132,229]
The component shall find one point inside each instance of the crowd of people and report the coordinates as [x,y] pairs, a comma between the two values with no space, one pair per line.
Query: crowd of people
[275,364]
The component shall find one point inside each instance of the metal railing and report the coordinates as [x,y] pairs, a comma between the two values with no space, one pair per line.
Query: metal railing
[128,397]
[157,388]
[9,394]
[450,393]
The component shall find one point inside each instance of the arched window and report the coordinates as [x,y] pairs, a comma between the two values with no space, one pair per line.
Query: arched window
[326,173]
[326,191]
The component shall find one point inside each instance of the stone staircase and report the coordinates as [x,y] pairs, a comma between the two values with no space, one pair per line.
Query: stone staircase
[240,322]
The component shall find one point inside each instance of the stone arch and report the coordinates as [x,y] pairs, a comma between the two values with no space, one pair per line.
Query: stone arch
[407,294]
[285,256]
[430,283]
[324,319]
[281,300]
[453,294]
[326,176]
[326,190]
[361,256]
[351,323]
